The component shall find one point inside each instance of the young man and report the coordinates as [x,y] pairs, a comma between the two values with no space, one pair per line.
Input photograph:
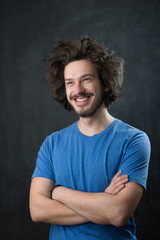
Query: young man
[90,176]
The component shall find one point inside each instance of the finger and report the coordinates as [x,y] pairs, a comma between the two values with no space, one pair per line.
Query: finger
[118,189]
[117,174]
[117,182]
[107,190]
[118,179]
[121,182]
[116,186]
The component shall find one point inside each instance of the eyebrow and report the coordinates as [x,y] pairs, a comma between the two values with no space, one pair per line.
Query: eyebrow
[82,76]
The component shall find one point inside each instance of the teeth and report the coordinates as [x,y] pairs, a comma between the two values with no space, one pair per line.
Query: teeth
[81,99]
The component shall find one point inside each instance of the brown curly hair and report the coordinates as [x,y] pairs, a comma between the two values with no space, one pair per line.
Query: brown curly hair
[109,67]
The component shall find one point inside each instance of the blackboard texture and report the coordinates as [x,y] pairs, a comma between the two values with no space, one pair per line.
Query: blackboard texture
[28,114]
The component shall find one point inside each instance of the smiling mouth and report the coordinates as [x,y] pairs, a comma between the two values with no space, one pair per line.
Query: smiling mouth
[81,98]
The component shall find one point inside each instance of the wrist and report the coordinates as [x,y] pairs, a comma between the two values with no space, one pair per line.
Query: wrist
[53,190]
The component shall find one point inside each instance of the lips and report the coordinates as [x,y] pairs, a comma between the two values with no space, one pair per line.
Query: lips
[81,98]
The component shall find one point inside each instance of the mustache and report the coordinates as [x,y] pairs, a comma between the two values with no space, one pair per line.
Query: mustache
[81,95]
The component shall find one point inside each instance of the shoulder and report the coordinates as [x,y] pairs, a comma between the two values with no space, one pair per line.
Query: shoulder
[59,135]
[135,142]
[130,133]
[131,139]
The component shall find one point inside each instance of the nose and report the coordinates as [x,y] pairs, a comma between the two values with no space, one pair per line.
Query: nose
[78,88]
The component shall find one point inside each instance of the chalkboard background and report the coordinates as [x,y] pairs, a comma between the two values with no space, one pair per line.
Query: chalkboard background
[28,114]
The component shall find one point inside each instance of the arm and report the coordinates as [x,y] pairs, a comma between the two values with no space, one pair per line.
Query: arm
[44,209]
[102,208]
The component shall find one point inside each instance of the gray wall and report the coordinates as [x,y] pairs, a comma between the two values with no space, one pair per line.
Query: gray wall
[28,113]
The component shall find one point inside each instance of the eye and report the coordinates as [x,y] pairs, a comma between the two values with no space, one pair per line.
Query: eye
[69,83]
[86,79]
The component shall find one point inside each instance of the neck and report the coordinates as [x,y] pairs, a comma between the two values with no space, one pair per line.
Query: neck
[96,123]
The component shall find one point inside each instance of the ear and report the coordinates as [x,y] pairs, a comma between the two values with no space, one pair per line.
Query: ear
[106,89]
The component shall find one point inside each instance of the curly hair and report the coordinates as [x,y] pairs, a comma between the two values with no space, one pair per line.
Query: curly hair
[108,64]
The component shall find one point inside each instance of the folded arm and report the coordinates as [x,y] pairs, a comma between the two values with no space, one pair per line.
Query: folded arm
[102,208]
[44,209]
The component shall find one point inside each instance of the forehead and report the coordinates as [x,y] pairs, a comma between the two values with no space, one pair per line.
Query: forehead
[78,68]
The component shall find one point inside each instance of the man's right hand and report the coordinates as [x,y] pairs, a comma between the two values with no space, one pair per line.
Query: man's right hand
[117,183]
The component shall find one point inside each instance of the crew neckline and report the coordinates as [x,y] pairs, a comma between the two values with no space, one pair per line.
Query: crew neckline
[97,134]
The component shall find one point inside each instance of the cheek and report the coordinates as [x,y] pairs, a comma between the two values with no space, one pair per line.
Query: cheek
[68,93]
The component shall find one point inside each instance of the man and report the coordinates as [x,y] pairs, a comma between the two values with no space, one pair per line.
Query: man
[90,176]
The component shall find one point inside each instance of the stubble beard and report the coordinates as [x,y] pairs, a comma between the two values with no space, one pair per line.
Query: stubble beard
[92,110]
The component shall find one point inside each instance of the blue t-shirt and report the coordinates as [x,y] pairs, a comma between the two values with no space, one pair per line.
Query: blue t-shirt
[88,163]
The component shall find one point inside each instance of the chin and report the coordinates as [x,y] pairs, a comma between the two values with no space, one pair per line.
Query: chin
[85,114]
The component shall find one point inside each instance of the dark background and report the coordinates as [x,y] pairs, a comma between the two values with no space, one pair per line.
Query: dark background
[28,113]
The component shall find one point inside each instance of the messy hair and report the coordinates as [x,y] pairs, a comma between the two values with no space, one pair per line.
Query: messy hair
[108,64]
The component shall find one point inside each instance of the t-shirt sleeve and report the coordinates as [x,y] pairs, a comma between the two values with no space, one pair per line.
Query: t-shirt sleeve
[44,165]
[135,160]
